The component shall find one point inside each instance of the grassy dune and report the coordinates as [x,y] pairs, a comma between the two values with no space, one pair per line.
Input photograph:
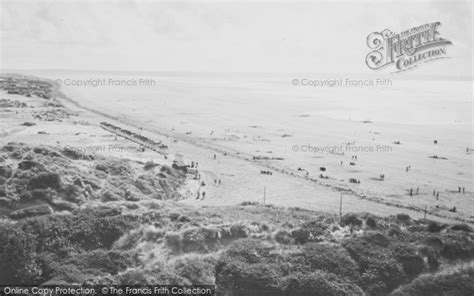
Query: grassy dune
[110,227]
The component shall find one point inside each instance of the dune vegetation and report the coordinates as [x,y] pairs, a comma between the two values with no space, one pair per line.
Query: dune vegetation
[68,217]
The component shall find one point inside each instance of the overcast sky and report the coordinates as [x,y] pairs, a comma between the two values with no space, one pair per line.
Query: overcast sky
[238,36]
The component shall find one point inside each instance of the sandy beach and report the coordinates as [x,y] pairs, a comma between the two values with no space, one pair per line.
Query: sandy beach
[307,149]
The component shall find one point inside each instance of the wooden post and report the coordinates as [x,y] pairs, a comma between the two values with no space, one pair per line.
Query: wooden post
[340,208]
[264,194]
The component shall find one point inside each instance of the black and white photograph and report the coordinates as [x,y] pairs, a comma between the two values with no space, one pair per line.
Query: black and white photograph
[236,148]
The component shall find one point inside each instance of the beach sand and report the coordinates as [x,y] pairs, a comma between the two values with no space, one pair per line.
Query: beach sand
[238,118]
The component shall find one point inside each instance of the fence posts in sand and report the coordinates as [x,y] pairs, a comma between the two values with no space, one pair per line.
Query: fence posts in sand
[264,194]
[340,209]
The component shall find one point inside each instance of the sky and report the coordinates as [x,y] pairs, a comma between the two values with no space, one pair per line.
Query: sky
[221,36]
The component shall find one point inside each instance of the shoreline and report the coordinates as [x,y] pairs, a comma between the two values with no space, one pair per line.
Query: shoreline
[352,198]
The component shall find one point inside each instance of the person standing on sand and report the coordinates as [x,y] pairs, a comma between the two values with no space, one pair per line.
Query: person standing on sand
[411,191]
[463,190]
[417,190]
[437,195]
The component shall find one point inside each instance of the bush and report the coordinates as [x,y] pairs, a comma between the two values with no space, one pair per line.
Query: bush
[319,283]
[18,260]
[456,282]
[351,220]
[301,236]
[380,272]
[45,180]
[284,237]
[370,222]
[457,246]
[404,219]
[86,230]
[327,257]
[199,239]
[106,261]
[198,270]
[413,264]
[316,228]
[461,227]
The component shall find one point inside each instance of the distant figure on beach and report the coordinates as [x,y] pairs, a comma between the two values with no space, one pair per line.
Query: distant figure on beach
[219,182]
[198,195]
[203,194]
[341,162]
[434,192]
[459,189]
[411,191]
[215,156]
[437,195]
[435,141]
[382,177]
[463,190]
[417,190]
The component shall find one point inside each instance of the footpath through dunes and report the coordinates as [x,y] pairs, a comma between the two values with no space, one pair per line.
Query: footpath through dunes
[242,181]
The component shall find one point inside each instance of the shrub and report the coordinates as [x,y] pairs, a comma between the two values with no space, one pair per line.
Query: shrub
[301,235]
[316,228]
[18,260]
[199,239]
[45,180]
[457,246]
[404,219]
[461,227]
[196,269]
[351,220]
[380,272]
[413,264]
[107,261]
[284,237]
[239,231]
[326,257]
[319,283]
[459,281]
[434,227]
[370,222]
